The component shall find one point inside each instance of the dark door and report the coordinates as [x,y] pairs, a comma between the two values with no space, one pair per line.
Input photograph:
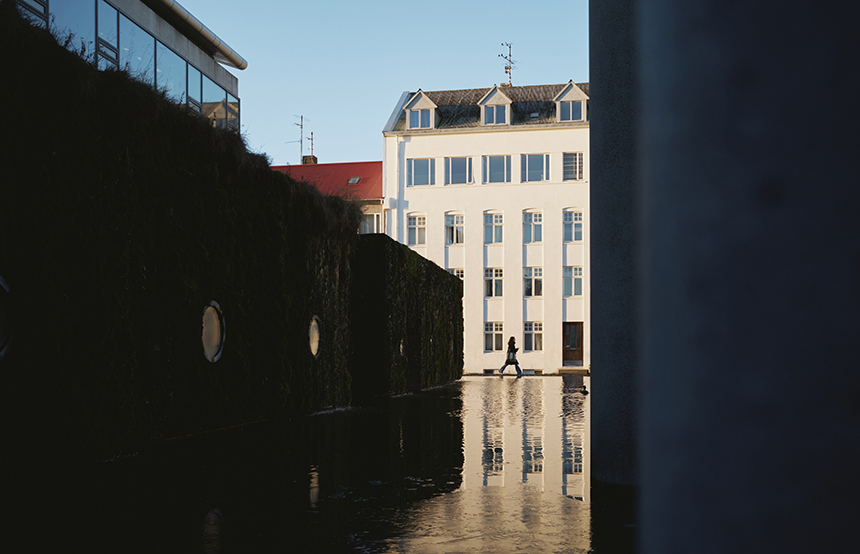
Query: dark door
[572,348]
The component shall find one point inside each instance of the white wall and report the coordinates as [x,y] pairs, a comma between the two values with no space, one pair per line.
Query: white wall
[549,197]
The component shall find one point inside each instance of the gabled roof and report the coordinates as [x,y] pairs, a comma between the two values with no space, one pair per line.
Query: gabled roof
[571,92]
[333,179]
[495,97]
[461,109]
[419,101]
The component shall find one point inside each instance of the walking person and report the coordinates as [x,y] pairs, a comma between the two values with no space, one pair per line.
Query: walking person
[512,357]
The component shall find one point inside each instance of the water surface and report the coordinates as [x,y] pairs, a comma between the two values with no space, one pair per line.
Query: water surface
[487,464]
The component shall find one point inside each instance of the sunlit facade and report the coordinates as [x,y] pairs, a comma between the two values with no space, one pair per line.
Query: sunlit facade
[493,185]
[157,42]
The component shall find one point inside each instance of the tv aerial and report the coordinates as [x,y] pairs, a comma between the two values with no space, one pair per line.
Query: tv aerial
[510,65]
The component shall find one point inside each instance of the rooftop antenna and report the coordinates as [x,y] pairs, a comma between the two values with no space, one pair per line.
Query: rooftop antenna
[301,126]
[311,138]
[510,60]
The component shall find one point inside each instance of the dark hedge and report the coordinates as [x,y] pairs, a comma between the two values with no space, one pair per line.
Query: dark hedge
[407,315]
[121,217]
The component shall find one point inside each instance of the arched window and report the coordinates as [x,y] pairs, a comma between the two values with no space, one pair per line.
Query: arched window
[416,229]
[572,224]
[454,228]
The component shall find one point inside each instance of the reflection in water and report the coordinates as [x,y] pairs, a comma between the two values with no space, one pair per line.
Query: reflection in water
[519,493]
[486,464]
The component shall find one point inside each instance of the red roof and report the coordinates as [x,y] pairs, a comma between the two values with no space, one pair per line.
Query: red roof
[335,179]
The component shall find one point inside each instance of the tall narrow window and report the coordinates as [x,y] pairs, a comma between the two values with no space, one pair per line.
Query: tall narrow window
[454,229]
[572,166]
[492,228]
[533,336]
[494,115]
[534,167]
[532,281]
[570,111]
[532,227]
[137,51]
[493,336]
[420,172]
[108,41]
[492,281]
[170,76]
[458,171]
[416,230]
[572,281]
[496,169]
[572,226]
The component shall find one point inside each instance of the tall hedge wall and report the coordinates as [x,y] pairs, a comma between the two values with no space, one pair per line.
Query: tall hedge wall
[407,316]
[122,217]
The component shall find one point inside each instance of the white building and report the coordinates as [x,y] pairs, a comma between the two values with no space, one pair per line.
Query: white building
[492,184]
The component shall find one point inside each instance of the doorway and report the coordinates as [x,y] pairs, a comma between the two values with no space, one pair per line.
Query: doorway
[572,346]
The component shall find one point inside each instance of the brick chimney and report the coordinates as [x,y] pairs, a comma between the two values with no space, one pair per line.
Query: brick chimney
[309,160]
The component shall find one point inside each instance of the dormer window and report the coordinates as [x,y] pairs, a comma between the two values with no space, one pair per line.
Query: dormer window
[570,111]
[419,119]
[494,115]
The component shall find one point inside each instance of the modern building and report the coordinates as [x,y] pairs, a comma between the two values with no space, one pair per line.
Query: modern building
[157,41]
[493,185]
[360,181]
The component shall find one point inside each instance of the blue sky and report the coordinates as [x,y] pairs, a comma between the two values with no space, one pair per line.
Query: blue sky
[343,65]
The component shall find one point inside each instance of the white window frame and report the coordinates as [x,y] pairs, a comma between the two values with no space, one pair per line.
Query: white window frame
[416,230]
[493,282]
[532,227]
[459,272]
[532,282]
[419,115]
[455,229]
[376,224]
[572,222]
[410,171]
[570,114]
[494,224]
[494,333]
[524,167]
[532,336]
[572,166]
[486,161]
[572,281]
[495,111]
[449,174]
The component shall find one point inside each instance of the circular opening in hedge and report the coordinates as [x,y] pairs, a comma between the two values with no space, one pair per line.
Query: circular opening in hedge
[314,335]
[5,323]
[214,331]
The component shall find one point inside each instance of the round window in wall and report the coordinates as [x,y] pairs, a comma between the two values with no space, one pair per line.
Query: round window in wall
[314,335]
[214,331]
[5,318]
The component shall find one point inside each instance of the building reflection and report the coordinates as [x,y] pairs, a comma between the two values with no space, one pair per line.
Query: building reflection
[543,422]
[525,479]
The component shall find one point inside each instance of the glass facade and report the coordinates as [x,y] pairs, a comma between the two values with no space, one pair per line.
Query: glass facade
[136,51]
[73,20]
[103,35]
[170,74]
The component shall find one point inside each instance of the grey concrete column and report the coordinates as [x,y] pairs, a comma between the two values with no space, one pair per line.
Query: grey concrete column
[750,256]
[613,238]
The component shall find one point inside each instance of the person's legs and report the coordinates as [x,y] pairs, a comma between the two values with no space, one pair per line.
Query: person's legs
[519,371]
[502,369]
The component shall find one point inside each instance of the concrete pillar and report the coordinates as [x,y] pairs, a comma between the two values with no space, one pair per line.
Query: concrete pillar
[750,275]
[613,89]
